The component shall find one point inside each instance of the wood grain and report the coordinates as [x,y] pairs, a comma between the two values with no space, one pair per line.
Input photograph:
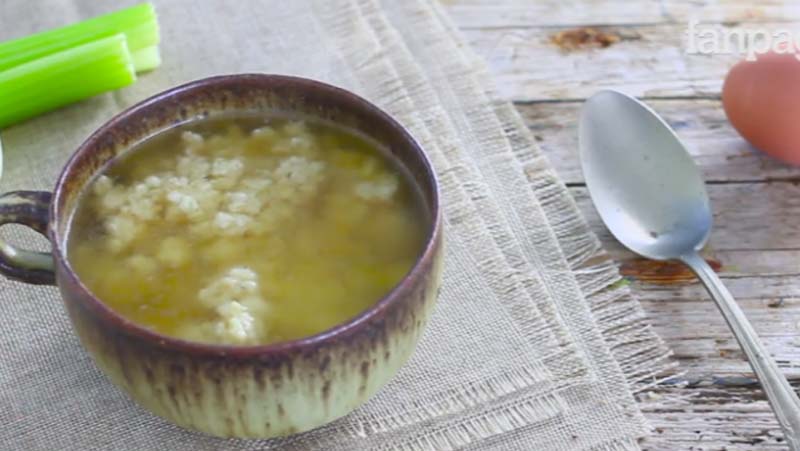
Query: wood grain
[648,61]
[700,123]
[706,417]
[715,404]
[488,14]
[760,264]
[747,216]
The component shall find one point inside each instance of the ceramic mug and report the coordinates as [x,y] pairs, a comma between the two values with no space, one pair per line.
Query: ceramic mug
[223,390]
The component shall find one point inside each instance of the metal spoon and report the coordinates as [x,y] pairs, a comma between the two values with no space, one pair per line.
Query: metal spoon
[651,196]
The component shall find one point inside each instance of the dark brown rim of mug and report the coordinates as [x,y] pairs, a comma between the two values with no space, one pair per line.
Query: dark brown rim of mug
[340,331]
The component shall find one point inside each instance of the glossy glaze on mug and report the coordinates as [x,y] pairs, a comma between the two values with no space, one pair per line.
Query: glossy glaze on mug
[256,391]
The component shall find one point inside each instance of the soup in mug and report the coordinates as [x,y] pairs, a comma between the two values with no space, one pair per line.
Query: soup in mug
[247,230]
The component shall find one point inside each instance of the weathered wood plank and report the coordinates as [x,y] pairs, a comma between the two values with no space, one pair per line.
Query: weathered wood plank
[734,263]
[756,217]
[701,123]
[758,247]
[564,13]
[706,418]
[704,345]
[524,13]
[730,11]
[649,60]
[715,405]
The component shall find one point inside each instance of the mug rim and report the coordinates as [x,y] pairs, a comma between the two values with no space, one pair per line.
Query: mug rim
[339,331]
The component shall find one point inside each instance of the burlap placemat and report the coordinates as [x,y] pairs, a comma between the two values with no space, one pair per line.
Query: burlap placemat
[533,345]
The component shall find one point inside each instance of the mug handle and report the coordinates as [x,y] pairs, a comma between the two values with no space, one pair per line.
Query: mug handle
[32,209]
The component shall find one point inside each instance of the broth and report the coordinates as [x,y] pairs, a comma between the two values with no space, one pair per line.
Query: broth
[247,229]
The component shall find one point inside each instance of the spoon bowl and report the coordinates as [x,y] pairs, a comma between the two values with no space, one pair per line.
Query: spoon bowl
[642,180]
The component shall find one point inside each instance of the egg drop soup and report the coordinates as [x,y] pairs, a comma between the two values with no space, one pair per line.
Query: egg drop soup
[247,230]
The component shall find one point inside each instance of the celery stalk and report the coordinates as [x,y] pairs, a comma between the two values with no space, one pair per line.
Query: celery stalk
[138,24]
[146,59]
[64,77]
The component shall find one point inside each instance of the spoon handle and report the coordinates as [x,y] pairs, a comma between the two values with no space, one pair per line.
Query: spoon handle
[780,394]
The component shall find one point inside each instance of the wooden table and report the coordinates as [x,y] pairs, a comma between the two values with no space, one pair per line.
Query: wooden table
[715,403]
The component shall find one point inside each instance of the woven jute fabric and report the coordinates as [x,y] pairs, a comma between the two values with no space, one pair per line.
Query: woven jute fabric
[533,343]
